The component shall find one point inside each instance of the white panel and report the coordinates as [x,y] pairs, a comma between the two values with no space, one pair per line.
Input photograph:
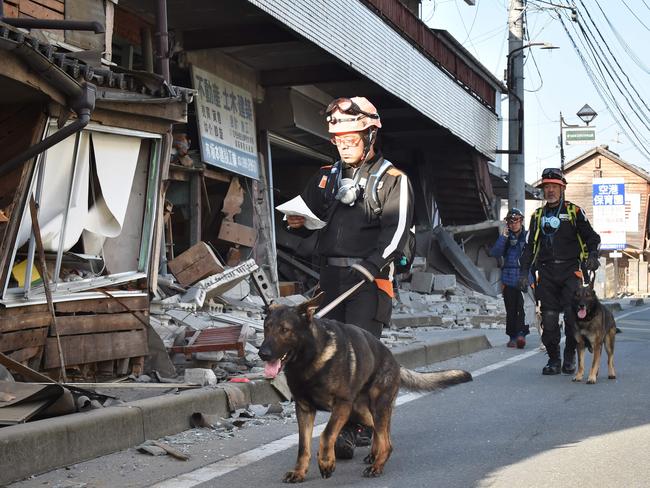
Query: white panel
[382,55]
[116,157]
[54,199]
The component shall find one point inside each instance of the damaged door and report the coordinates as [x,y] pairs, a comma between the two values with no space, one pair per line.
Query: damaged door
[96,193]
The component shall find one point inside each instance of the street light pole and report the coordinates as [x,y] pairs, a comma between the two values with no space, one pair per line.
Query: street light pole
[515,79]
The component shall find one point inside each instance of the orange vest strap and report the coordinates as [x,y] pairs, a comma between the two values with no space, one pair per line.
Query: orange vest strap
[386,286]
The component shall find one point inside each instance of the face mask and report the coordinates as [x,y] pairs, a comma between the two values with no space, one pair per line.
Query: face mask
[550,224]
[348,191]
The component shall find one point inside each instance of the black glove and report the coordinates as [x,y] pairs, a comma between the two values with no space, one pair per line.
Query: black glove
[592,261]
[365,270]
[523,283]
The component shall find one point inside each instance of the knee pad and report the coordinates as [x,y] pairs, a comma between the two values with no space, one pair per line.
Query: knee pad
[550,320]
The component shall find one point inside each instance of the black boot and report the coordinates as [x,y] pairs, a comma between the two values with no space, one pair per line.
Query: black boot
[553,365]
[345,442]
[569,364]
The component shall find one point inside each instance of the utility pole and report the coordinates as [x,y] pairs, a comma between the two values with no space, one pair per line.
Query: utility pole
[516,165]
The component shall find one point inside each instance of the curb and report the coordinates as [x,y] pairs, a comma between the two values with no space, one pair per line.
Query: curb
[36,447]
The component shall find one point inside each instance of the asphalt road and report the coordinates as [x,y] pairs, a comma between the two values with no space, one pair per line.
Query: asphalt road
[510,427]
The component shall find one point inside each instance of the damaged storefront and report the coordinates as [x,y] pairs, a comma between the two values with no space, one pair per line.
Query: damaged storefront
[264,73]
[84,153]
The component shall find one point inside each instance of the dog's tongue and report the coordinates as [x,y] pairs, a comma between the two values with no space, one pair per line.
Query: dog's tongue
[582,313]
[272,368]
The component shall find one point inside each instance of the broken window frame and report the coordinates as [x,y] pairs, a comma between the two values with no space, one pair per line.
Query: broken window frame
[61,290]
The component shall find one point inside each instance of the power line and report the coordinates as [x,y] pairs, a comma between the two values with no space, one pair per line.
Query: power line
[609,101]
[631,101]
[635,15]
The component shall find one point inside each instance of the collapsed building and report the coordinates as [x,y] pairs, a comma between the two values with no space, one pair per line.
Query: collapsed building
[168,194]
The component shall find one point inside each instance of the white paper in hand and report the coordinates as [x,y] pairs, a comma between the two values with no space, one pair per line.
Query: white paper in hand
[297,206]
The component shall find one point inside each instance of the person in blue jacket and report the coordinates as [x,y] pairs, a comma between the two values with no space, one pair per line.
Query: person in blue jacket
[510,245]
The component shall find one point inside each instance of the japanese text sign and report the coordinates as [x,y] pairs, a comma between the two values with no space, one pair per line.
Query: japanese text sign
[226,122]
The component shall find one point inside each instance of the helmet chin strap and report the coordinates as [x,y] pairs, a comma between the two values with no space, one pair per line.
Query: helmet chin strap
[368,140]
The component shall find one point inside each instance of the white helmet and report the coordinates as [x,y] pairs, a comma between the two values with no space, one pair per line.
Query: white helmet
[351,115]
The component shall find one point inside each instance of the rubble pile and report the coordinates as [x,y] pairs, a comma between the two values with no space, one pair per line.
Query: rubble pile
[438,300]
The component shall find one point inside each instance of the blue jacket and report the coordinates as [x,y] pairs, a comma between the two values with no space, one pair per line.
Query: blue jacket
[510,254]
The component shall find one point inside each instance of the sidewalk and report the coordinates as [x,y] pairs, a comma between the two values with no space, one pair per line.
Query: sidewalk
[36,447]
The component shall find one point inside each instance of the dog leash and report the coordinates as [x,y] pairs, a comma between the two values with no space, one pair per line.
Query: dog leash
[327,308]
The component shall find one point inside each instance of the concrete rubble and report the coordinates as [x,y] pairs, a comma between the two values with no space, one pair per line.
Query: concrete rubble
[229,298]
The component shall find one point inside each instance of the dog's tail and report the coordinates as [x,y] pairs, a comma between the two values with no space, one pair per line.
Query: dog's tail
[414,381]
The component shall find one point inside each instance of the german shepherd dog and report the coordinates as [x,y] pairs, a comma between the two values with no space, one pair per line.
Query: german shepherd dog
[595,325]
[331,366]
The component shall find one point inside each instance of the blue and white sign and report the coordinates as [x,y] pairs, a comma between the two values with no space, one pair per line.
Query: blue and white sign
[609,212]
[226,121]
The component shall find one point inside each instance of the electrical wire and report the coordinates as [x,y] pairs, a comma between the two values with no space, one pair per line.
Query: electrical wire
[635,15]
[608,100]
[626,47]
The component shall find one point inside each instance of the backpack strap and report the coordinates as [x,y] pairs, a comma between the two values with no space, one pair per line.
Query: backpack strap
[372,185]
[538,226]
[572,210]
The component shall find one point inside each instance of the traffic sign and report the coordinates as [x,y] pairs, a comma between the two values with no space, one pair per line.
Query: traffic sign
[579,136]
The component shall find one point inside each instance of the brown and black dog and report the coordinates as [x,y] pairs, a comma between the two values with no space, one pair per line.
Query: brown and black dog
[342,369]
[595,325]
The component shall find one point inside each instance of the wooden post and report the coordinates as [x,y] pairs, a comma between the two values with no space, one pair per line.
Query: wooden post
[196,190]
[41,264]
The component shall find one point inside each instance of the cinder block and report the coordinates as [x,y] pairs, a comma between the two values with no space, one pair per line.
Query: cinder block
[422,281]
[200,376]
[444,282]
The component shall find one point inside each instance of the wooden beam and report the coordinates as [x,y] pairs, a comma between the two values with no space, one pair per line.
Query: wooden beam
[236,35]
[307,75]
[102,305]
[91,348]
[92,324]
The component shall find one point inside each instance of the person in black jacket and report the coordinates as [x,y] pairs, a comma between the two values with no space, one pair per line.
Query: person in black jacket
[367,204]
[561,242]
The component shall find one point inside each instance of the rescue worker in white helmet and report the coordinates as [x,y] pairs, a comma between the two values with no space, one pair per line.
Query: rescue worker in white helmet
[368,206]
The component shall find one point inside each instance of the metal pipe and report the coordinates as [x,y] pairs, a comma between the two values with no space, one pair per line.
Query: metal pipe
[49,24]
[32,241]
[162,40]
[73,179]
[45,144]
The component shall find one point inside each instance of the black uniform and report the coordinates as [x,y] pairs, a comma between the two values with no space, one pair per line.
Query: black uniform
[363,233]
[558,265]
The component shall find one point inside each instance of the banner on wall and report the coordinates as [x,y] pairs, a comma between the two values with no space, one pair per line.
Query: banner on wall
[609,212]
[226,123]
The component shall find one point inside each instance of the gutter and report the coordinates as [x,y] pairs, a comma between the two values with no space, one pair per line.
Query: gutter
[80,99]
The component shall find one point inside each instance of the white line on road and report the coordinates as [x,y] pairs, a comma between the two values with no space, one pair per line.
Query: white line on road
[220,468]
[643,309]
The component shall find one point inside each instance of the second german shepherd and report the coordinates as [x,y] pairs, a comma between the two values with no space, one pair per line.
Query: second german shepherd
[342,369]
[595,325]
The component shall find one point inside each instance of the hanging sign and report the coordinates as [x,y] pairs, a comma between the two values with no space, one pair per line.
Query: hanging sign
[226,122]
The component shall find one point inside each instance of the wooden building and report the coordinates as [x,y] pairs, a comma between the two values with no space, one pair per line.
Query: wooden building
[626,234]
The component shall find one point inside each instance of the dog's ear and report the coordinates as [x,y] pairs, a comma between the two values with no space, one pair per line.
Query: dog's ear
[270,307]
[308,308]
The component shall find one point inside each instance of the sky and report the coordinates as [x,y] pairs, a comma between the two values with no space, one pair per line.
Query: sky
[556,80]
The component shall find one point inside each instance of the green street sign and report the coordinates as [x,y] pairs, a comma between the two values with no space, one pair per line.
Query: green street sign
[577,136]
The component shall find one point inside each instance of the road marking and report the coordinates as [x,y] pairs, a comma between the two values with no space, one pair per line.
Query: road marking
[220,468]
[634,329]
[643,309]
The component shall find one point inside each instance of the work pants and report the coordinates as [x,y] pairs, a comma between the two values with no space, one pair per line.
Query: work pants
[368,308]
[556,286]
[513,299]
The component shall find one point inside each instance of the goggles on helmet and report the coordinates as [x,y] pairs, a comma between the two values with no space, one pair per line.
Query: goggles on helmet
[552,174]
[346,106]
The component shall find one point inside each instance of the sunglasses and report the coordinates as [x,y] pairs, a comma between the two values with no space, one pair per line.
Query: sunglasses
[346,141]
[347,106]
